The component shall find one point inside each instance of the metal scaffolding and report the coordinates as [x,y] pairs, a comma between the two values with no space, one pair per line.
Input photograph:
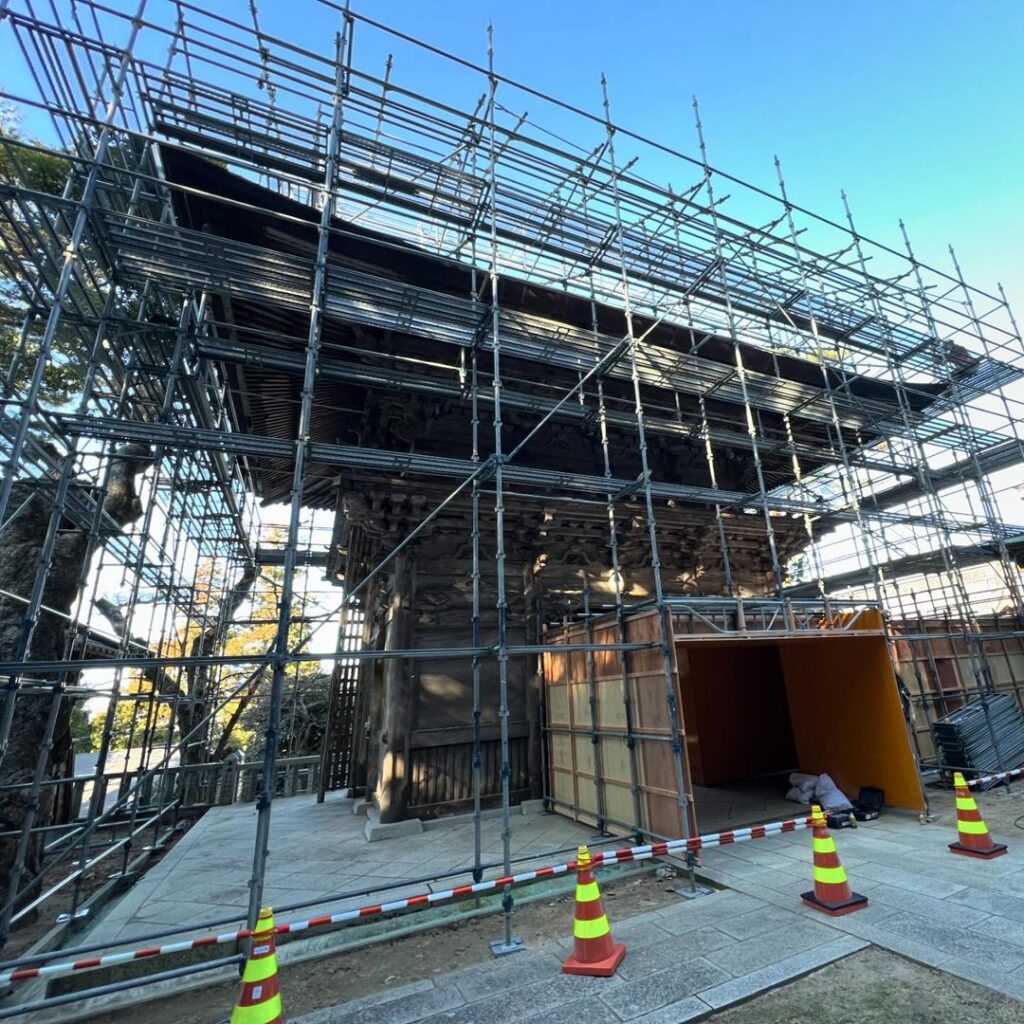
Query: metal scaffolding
[853,411]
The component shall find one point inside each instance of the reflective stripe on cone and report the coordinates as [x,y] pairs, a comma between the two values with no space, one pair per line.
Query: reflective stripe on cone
[831,894]
[973,839]
[593,952]
[260,998]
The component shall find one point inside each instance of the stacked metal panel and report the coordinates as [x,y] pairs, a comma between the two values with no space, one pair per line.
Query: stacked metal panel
[985,735]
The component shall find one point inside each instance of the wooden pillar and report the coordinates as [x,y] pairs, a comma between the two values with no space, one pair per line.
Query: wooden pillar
[393,779]
[363,748]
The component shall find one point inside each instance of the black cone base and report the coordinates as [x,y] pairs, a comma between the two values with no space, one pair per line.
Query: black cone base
[855,902]
[995,850]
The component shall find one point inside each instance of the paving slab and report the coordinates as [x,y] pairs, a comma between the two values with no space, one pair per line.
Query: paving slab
[365,1002]
[634,998]
[515,1005]
[509,972]
[1002,929]
[911,948]
[991,902]
[405,1009]
[590,1010]
[709,910]
[1009,983]
[675,1013]
[958,942]
[317,852]
[781,971]
[793,935]
[757,922]
[905,878]
[673,951]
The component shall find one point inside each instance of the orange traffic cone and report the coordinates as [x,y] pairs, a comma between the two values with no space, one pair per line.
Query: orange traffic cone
[831,893]
[974,840]
[260,1001]
[593,952]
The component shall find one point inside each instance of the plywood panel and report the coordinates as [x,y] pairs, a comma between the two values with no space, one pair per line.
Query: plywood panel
[847,717]
[560,751]
[649,702]
[736,711]
[663,816]
[563,786]
[584,755]
[588,796]
[615,760]
[607,663]
[581,705]
[554,666]
[611,710]
[556,701]
[618,803]
[645,679]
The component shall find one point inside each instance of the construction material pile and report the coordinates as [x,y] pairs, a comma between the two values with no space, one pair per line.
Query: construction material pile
[985,735]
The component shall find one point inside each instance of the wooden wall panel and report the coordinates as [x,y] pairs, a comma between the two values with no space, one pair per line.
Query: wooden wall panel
[600,677]
[441,776]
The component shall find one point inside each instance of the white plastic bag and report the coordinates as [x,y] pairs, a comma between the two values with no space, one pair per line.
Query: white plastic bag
[829,795]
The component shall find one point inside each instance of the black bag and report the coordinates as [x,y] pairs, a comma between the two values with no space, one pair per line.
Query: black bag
[840,819]
[868,804]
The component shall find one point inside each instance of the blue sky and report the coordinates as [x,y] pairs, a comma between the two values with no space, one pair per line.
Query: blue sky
[913,107]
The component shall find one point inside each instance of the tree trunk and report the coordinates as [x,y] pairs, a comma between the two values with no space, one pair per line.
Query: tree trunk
[195,701]
[20,554]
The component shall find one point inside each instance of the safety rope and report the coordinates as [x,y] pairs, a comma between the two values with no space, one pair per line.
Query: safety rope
[997,777]
[620,856]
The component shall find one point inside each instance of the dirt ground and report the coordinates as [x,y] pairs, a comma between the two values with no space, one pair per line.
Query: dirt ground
[875,987]
[1002,810]
[336,979]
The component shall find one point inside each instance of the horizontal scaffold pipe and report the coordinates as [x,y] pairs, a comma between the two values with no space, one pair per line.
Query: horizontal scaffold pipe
[390,378]
[439,653]
[623,855]
[381,460]
[181,258]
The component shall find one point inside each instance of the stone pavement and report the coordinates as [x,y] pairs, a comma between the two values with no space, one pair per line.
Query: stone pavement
[957,914]
[685,961]
[317,851]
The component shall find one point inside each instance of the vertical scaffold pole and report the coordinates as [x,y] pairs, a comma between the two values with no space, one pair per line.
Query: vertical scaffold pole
[617,578]
[984,677]
[863,531]
[510,943]
[473,141]
[666,633]
[72,252]
[1010,568]
[741,370]
[317,296]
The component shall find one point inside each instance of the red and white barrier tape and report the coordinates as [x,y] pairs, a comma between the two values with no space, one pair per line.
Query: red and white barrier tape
[997,777]
[623,856]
